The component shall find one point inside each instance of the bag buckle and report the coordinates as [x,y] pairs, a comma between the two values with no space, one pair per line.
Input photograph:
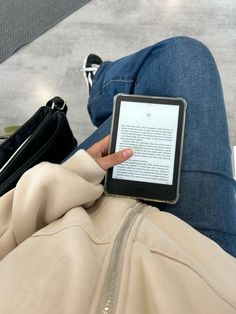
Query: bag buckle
[57,103]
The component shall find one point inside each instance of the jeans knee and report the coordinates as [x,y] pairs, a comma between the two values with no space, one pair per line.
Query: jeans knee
[184,56]
[186,47]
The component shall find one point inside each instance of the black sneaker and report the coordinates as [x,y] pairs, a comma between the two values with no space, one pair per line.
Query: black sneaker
[91,65]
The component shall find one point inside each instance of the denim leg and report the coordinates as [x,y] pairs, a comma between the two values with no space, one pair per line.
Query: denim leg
[181,67]
[113,78]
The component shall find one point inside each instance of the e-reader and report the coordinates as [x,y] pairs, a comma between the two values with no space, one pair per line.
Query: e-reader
[154,128]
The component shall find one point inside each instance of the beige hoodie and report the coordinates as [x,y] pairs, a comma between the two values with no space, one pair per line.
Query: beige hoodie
[65,248]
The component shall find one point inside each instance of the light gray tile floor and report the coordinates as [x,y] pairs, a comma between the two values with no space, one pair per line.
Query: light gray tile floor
[50,65]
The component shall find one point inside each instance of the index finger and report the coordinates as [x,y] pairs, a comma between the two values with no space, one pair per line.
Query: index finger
[115,158]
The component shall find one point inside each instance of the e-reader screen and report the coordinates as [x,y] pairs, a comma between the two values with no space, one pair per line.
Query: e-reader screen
[152,134]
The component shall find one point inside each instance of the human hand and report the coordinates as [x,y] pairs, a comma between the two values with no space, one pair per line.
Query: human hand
[99,152]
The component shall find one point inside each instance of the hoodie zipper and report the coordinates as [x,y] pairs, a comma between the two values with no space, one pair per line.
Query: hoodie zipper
[112,281]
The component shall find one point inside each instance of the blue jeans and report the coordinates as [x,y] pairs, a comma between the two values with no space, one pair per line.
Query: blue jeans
[182,67]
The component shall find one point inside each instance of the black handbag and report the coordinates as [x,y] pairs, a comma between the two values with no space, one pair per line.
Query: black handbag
[46,136]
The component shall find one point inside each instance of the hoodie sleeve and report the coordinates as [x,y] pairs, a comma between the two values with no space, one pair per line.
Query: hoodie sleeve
[45,193]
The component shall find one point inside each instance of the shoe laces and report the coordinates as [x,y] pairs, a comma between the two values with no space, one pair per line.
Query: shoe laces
[90,71]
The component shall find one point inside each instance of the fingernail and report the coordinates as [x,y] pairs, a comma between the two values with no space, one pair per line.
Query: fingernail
[127,153]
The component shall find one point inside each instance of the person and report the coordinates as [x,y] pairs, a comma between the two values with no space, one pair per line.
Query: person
[67,248]
[178,67]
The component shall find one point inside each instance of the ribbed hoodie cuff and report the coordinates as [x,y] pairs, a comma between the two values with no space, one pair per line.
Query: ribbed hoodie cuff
[85,166]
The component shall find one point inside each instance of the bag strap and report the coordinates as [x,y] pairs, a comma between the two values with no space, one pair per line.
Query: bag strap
[57,103]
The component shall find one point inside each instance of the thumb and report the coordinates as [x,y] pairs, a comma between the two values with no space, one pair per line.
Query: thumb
[115,159]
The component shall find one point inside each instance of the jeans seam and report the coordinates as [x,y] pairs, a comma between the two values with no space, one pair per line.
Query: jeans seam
[100,95]
[123,81]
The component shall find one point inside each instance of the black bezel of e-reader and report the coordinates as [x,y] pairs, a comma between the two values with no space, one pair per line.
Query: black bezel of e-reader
[145,190]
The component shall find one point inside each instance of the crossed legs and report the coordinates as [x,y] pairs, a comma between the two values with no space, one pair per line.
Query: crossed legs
[181,67]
